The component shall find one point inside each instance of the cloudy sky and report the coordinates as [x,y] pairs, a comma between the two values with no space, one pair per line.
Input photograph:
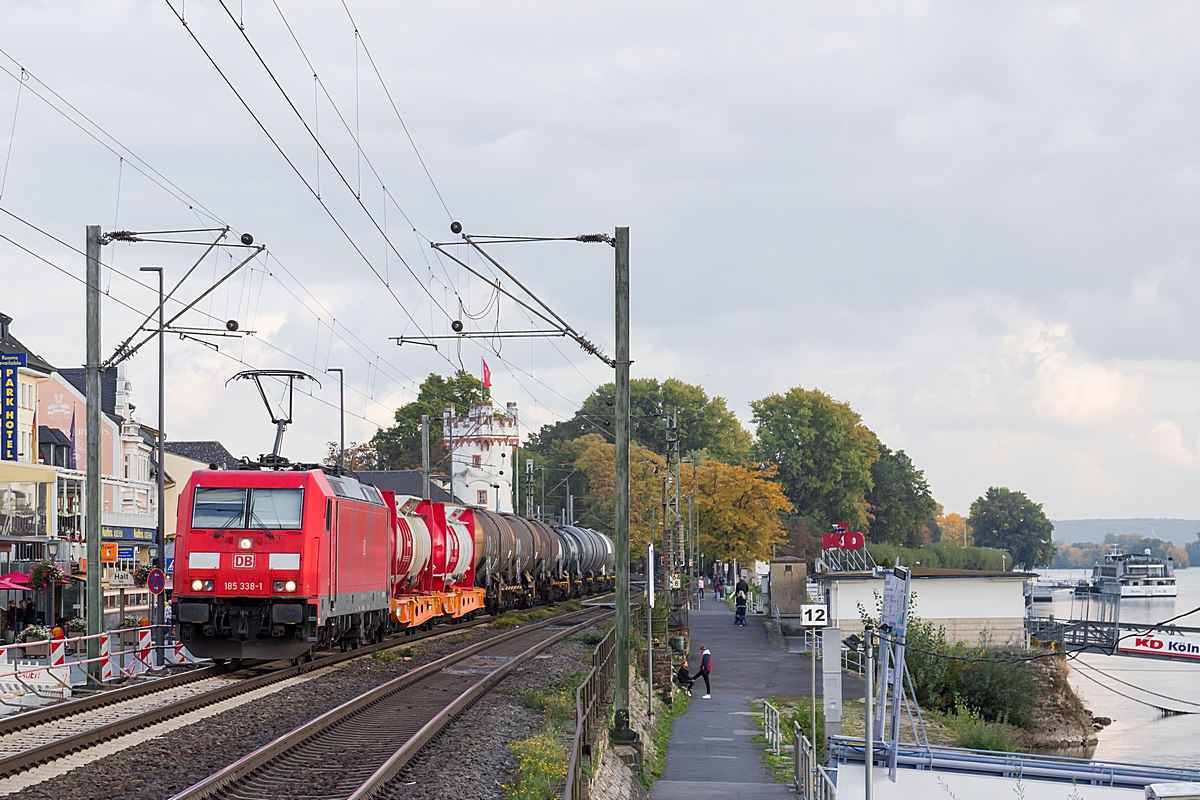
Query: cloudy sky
[974,223]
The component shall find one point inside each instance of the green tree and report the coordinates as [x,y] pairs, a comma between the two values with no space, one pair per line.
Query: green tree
[399,447]
[823,451]
[1010,521]
[706,425]
[902,507]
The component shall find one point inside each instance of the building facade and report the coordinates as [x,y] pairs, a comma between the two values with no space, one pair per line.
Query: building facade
[482,447]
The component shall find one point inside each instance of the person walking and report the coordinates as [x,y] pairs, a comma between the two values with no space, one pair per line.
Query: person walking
[741,596]
[13,617]
[705,668]
[700,593]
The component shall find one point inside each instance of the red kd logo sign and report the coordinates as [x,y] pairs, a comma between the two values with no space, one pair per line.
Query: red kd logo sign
[243,560]
[846,540]
[1153,644]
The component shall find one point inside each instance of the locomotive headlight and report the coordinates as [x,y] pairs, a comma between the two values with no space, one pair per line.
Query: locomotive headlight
[208,586]
[245,543]
[277,586]
[290,586]
[197,585]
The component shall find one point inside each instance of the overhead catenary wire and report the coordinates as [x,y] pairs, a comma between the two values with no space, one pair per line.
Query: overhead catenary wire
[110,143]
[262,126]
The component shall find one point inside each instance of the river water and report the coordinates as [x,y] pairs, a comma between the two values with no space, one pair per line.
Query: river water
[1140,733]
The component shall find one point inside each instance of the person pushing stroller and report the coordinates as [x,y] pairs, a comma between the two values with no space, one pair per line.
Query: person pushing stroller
[740,596]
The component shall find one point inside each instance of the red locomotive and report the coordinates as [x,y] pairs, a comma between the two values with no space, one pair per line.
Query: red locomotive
[273,563]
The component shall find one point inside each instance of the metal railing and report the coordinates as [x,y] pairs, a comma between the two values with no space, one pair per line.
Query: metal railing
[854,661]
[771,726]
[591,698]
[811,780]
[823,786]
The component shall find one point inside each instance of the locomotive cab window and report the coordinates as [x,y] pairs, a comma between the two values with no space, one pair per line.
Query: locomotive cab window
[272,509]
[276,508]
[219,508]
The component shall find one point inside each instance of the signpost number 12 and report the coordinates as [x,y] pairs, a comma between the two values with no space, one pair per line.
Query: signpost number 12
[814,616]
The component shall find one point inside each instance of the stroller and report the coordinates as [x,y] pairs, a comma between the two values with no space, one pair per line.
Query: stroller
[740,606]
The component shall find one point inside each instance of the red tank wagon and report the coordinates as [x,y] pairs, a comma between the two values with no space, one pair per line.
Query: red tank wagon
[272,563]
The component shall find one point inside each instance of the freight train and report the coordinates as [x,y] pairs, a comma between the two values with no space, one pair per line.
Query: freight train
[277,563]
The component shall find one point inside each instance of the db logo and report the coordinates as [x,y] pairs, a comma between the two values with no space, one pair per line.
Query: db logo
[846,540]
[1153,644]
[243,560]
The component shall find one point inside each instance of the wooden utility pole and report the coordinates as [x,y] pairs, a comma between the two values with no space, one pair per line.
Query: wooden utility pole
[95,602]
[621,730]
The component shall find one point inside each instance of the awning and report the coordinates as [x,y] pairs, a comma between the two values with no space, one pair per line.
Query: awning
[16,472]
[18,578]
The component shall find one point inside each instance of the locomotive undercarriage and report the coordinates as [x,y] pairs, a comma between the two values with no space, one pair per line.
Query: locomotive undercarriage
[270,629]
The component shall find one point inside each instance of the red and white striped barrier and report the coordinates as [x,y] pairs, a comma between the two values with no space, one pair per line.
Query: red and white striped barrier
[143,652]
[58,652]
[106,664]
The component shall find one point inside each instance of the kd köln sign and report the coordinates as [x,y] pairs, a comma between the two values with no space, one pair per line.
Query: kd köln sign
[1176,645]
[9,444]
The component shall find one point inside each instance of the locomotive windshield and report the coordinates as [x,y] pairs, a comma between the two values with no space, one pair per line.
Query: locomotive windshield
[277,509]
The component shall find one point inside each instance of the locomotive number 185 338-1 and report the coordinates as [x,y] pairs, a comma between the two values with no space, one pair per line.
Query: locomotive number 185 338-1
[243,586]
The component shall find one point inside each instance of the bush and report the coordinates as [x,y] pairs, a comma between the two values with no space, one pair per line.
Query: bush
[973,732]
[944,556]
[999,691]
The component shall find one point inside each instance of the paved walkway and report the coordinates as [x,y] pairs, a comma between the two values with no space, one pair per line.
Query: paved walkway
[710,753]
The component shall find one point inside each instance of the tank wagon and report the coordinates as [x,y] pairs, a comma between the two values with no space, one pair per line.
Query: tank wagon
[274,563]
[527,562]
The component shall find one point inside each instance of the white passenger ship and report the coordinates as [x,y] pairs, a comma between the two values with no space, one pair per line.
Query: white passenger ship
[1134,575]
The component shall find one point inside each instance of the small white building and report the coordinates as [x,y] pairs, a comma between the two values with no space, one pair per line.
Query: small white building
[973,606]
[482,447]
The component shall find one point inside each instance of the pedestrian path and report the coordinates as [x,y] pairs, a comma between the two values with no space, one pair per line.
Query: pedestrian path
[710,753]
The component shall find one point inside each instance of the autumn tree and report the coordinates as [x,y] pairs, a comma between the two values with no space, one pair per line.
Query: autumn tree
[823,451]
[1010,521]
[901,506]
[737,507]
[954,529]
[399,447]
[706,425]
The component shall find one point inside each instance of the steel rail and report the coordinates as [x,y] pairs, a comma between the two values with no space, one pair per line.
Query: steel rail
[60,747]
[50,713]
[229,777]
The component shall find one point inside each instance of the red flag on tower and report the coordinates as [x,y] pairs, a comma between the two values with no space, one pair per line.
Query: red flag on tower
[487,375]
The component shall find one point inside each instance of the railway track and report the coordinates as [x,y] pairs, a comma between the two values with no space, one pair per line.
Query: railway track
[353,751]
[42,736]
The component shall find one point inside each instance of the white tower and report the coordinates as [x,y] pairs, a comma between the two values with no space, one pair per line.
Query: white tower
[483,446]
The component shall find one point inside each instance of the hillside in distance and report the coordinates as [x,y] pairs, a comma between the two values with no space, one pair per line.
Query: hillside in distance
[1178,531]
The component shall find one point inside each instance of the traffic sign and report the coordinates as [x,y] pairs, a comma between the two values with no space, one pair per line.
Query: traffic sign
[814,616]
[170,564]
[156,581]
[121,579]
[108,552]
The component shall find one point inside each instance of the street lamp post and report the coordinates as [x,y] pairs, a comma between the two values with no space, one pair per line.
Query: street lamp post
[160,533]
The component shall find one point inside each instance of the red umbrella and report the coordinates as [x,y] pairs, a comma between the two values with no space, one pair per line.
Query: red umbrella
[12,587]
[19,578]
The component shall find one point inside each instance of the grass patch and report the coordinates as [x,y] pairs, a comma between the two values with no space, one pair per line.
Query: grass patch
[590,638]
[541,767]
[386,656]
[459,638]
[791,710]
[512,619]
[556,703]
[665,715]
